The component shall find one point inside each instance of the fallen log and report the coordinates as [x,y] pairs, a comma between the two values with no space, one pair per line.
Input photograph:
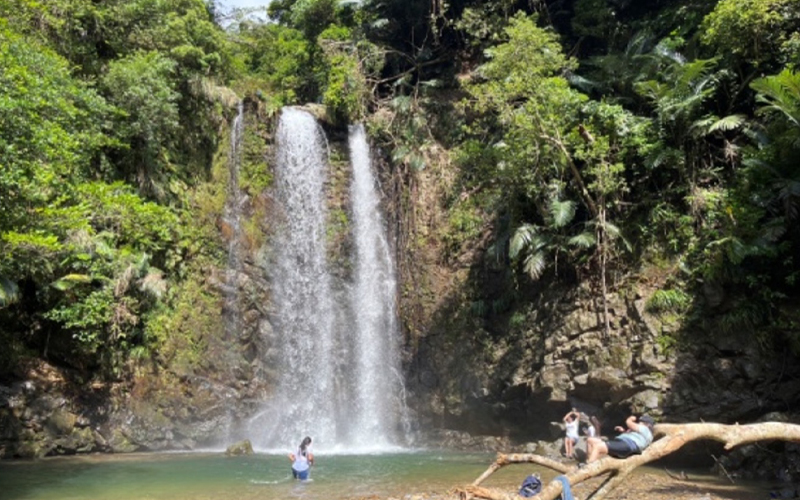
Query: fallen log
[672,438]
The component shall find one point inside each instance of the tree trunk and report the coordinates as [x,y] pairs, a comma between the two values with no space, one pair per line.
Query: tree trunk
[673,437]
[601,242]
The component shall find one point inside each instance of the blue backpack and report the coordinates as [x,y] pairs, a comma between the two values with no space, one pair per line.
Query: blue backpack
[531,486]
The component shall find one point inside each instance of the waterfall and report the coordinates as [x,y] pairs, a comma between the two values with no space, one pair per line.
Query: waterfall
[233,221]
[338,365]
[376,365]
[303,402]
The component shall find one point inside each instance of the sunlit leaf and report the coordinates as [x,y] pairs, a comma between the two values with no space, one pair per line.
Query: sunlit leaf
[70,281]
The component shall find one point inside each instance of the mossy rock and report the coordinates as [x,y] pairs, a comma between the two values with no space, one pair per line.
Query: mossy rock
[240,448]
[61,422]
[29,449]
[120,443]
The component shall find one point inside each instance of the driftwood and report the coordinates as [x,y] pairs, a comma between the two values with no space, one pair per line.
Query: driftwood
[672,438]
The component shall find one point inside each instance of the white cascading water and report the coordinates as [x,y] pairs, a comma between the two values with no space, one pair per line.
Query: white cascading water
[303,402]
[339,376]
[378,406]
[233,219]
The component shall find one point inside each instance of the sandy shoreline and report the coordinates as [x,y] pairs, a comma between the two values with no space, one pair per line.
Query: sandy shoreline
[642,487]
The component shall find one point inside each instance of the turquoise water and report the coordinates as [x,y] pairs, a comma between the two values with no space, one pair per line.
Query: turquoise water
[212,476]
[200,476]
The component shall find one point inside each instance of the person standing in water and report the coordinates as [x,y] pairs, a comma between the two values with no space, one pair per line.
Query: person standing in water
[302,460]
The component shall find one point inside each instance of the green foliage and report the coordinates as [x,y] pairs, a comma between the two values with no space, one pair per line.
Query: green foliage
[142,89]
[180,330]
[780,93]
[346,91]
[465,222]
[666,301]
[763,30]
[655,142]
[595,20]
[536,246]
[312,17]
[281,57]
[484,23]
[51,127]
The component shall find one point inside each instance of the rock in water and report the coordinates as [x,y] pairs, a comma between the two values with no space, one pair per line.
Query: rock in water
[240,448]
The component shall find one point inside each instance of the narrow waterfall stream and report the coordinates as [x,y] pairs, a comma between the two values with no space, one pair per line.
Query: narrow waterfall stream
[379,409]
[233,221]
[339,371]
[232,218]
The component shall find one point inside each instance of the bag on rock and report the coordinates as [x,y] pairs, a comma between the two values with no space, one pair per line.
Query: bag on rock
[531,486]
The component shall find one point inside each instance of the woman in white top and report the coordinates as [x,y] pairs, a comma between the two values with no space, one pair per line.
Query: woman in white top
[571,421]
[302,460]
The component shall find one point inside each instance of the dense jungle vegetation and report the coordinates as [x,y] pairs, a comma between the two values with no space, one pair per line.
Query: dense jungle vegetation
[599,139]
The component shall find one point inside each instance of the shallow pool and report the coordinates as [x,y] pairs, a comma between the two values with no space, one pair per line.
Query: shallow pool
[199,476]
[213,476]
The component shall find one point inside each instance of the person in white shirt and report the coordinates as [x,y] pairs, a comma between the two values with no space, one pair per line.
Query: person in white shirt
[571,421]
[302,460]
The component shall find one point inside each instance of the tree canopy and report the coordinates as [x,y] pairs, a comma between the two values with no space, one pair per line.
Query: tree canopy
[597,137]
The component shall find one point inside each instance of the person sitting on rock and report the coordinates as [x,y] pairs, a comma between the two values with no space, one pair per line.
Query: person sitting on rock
[588,430]
[631,441]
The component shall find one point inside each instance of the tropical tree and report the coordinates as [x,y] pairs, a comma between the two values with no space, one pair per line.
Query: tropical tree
[142,88]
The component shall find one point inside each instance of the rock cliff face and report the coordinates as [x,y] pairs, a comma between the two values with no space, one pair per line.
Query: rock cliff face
[564,358]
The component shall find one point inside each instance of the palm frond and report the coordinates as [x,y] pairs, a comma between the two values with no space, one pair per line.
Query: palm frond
[702,126]
[9,292]
[416,161]
[730,122]
[582,83]
[664,156]
[664,51]
[695,74]
[400,153]
[614,233]
[70,281]
[522,239]
[582,240]
[780,93]
[535,264]
[562,212]
[789,196]
[154,283]
[639,44]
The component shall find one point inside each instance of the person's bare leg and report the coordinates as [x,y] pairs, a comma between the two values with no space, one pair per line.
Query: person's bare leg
[568,446]
[596,448]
